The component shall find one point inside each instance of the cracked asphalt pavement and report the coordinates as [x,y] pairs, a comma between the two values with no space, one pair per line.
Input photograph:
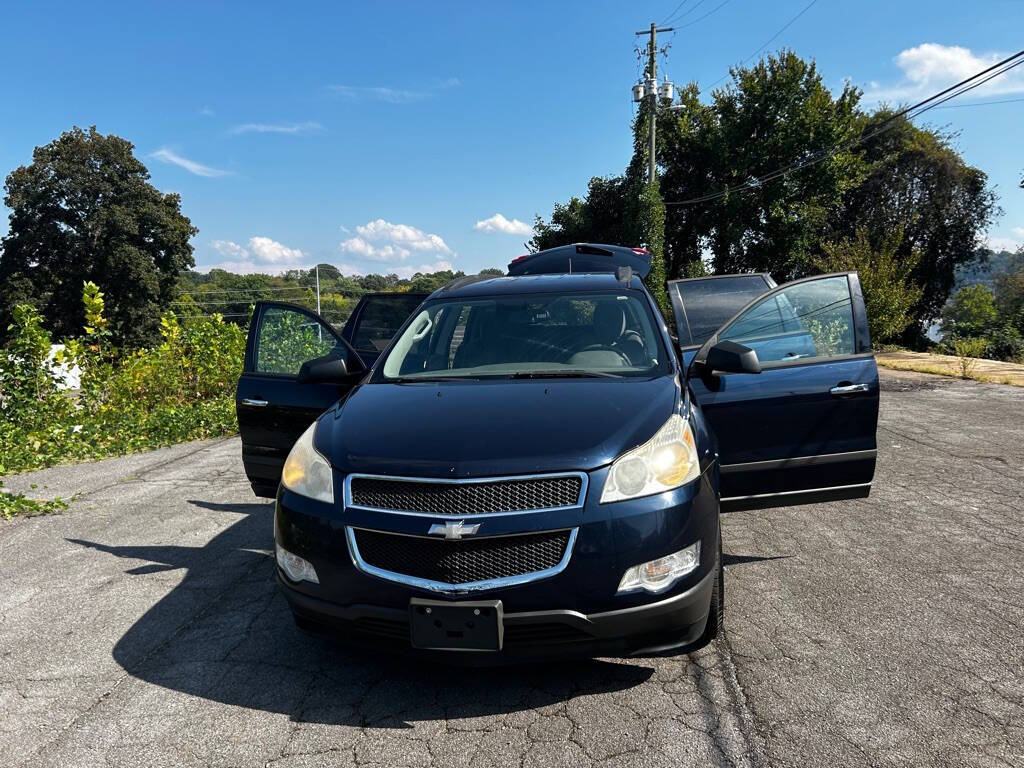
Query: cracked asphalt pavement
[142,627]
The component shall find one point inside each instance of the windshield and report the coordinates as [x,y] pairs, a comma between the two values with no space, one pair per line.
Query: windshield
[571,335]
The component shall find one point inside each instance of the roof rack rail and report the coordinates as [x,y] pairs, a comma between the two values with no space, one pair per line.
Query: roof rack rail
[459,282]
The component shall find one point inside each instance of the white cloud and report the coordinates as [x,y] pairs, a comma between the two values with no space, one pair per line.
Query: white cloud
[931,67]
[165,155]
[349,271]
[379,93]
[392,95]
[269,251]
[1007,243]
[289,128]
[229,249]
[404,235]
[498,223]
[260,255]
[357,246]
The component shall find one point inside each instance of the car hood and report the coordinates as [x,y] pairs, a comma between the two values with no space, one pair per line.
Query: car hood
[493,428]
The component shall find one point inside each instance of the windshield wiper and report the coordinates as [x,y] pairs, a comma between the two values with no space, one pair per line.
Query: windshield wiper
[564,374]
[414,379]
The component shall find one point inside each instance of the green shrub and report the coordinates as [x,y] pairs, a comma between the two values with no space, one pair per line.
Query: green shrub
[12,504]
[181,389]
[968,351]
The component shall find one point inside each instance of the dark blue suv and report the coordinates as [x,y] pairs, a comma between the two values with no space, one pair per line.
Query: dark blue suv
[534,465]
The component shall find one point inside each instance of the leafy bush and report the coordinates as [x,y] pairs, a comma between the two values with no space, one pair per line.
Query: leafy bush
[12,504]
[970,312]
[968,351]
[885,278]
[181,389]
[1006,343]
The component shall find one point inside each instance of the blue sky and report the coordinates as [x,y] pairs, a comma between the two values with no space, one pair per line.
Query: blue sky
[386,137]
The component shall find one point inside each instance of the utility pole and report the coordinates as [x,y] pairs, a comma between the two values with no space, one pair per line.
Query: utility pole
[319,328]
[649,89]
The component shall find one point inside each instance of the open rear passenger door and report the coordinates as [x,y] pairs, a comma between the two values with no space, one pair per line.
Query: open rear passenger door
[283,387]
[375,321]
[803,429]
[702,304]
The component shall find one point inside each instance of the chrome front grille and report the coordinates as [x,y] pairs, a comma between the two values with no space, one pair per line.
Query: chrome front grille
[461,565]
[465,497]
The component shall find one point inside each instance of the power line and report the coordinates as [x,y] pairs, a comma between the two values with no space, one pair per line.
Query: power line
[980,104]
[693,8]
[910,112]
[196,292]
[701,18]
[767,42]
[674,12]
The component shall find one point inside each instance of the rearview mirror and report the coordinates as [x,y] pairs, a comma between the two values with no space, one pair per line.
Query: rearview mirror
[730,357]
[323,370]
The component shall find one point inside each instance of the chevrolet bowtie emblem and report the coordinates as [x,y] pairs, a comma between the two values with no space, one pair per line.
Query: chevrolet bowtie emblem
[453,530]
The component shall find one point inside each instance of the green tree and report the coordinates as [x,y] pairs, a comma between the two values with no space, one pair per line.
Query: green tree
[916,181]
[889,291]
[970,313]
[776,114]
[83,209]
[651,224]
[603,217]
[1009,292]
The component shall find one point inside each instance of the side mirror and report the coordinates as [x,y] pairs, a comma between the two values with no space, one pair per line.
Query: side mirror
[730,357]
[323,370]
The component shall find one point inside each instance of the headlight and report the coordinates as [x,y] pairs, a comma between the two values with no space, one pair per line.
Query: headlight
[666,461]
[306,472]
[658,575]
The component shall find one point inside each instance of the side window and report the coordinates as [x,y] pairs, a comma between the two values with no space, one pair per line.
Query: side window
[711,301]
[813,319]
[380,320]
[288,338]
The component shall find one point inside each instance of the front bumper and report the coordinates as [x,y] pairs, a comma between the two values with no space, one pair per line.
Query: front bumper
[575,612]
[669,623]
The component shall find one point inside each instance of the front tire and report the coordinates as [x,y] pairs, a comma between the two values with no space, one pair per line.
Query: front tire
[716,608]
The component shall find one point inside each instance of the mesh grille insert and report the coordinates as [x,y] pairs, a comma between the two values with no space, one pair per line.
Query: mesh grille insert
[459,562]
[466,498]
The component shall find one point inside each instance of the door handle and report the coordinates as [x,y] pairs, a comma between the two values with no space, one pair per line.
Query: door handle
[848,389]
[254,403]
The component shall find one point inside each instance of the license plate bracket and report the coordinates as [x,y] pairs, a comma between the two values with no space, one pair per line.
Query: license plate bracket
[463,626]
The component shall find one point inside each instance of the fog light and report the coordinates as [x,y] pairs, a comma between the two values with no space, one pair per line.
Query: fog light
[294,567]
[658,575]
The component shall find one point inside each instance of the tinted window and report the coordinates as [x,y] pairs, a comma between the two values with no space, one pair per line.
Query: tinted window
[808,320]
[288,338]
[709,302]
[380,319]
[607,332]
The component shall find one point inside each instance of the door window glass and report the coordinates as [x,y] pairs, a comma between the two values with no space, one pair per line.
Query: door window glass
[381,318]
[288,339]
[813,319]
[709,302]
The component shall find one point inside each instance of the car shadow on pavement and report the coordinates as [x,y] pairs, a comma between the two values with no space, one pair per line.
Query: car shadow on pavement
[225,634]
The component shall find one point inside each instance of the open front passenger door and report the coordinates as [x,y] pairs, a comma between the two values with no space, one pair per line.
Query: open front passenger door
[803,429]
[277,398]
